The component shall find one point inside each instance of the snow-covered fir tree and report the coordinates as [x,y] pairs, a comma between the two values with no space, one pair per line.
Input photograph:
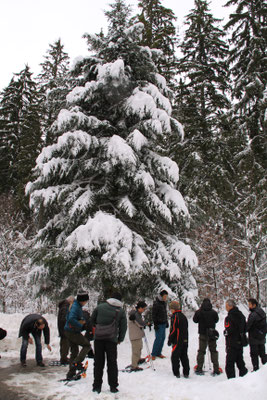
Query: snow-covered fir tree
[106,191]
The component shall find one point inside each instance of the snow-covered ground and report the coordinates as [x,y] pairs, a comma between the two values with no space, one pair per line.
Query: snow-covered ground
[146,385]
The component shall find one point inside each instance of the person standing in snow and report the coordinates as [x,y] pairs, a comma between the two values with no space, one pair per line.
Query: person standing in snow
[206,318]
[63,309]
[75,323]
[160,321]
[106,316]
[235,327]
[33,324]
[256,328]
[136,333]
[178,339]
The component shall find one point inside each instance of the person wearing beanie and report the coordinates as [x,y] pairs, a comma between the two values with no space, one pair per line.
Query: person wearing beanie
[178,339]
[75,324]
[103,317]
[206,318]
[136,333]
[160,321]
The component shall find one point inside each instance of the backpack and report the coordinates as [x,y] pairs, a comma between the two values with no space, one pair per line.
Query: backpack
[107,332]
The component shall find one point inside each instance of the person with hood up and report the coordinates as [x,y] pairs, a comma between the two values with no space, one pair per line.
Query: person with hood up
[206,318]
[105,317]
[63,309]
[160,321]
[178,339]
[235,326]
[256,328]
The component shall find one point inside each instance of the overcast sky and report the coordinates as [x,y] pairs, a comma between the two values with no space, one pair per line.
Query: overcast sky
[27,27]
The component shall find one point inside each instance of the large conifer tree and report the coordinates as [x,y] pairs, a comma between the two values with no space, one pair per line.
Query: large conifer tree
[106,190]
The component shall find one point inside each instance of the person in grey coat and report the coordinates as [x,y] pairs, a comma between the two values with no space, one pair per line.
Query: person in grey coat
[256,328]
[136,333]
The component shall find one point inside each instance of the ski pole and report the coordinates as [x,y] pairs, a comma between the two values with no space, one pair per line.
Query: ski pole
[149,354]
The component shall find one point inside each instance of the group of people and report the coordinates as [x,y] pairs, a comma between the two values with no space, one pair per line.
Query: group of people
[107,326]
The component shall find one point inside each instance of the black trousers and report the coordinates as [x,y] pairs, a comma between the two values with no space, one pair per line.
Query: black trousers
[234,355]
[256,351]
[103,349]
[179,353]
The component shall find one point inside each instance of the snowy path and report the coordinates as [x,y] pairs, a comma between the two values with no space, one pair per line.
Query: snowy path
[147,385]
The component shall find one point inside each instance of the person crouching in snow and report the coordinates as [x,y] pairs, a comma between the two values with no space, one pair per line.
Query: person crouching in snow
[178,339]
[136,333]
[33,324]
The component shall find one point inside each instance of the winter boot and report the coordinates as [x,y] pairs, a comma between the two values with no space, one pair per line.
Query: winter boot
[71,372]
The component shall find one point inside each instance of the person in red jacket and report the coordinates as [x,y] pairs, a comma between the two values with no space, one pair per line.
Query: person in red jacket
[178,339]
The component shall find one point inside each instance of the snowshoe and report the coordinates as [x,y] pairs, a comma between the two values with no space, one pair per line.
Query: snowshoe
[198,371]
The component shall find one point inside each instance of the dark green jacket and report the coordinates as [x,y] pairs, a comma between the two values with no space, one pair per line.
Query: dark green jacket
[104,314]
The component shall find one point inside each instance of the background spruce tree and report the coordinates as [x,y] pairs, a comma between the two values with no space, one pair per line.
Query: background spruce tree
[54,83]
[107,191]
[201,104]
[20,132]
[159,33]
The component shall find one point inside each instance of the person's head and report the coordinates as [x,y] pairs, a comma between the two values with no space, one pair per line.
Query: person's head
[40,324]
[164,295]
[252,303]
[82,297]
[116,295]
[175,306]
[230,304]
[141,306]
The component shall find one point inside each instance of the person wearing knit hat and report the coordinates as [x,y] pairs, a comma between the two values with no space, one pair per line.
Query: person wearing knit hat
[178,339]
[75,324]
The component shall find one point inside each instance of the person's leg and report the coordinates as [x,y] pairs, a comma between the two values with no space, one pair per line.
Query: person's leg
[136,352]
[203,342]
[254,355]
[38,347]
[64,349]
[23,350]
[156,344]
[74,348]
[241,363]
[99,363]
[184,359]
[230,362]
[175,359]
[262,353]
[80,340]
[162,337]
[214,355]
[112,366]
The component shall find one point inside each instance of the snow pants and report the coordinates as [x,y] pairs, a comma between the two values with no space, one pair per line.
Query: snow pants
[257,351]
[64,348]
[159,340]
[103,349]
[234,355]
[179,353]
[76,340]
[38,347]
[137,346]
[205,342]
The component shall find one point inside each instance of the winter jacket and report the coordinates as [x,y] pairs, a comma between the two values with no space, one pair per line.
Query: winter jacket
[88,325]
[205,317]
[105,313]
[256,326]
[235,325]
[159,312]
[2,333]
[63,308]
[136,325]
[74,315]
[28,326]
[179,329]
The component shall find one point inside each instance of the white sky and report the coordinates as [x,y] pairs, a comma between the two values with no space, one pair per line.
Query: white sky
[27,27]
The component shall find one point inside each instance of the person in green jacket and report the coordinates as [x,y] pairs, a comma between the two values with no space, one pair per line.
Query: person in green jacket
[105,314]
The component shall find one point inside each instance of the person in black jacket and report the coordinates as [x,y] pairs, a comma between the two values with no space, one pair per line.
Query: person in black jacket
[206,318]
[33,324]
[160,321]
[256,328]
[178,339]
[235,326]
[63,308]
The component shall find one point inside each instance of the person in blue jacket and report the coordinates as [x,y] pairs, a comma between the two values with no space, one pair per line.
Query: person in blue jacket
[75,324]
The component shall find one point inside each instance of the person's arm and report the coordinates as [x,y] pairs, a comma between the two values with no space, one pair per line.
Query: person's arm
[75,317]
[94,316]
[196,317]
[122,326]
[251,321]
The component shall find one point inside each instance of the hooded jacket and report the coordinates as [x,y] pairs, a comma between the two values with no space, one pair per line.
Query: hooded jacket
[28,326]
[159,312]
[235,324]
[205,317]
[256,323]
[105,313]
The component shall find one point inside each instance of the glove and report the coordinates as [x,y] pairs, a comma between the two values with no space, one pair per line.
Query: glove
[167,325]
[169,343]
[225,332]
[132,317]
[156,327]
